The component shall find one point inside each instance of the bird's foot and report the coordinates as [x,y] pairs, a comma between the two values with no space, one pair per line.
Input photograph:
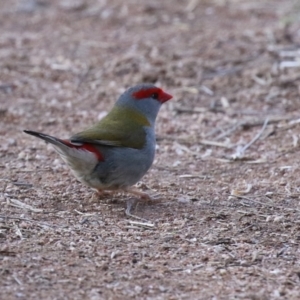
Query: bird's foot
[102,194]
[129,205]
[133,202]
[142,195]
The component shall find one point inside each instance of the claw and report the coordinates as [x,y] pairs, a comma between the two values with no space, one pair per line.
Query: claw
[136,192]
[129,204]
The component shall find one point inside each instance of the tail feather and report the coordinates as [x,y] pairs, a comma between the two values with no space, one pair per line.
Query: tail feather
[69,149]
[48,138]
[82,158]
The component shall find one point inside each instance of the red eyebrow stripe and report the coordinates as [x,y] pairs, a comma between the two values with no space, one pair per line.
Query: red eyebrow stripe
[87,147]
[142,94]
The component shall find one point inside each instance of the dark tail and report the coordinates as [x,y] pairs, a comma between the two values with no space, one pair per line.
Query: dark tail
[48,138]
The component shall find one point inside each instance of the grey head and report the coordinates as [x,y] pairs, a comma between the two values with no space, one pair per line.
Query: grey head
[145,98]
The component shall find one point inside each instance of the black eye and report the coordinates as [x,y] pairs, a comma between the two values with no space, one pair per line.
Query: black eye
[154,96]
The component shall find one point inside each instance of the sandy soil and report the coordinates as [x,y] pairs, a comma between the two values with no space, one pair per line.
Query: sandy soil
[227,164]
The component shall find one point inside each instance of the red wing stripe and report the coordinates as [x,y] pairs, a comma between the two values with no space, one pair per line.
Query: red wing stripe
[93,149]
[87,147]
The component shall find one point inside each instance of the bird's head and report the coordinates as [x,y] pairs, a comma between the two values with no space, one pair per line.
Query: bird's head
[145,98]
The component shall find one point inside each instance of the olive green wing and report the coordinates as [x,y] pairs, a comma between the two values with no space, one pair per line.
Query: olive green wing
[120,128]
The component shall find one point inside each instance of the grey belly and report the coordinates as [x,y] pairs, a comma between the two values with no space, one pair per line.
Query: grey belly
[123,167]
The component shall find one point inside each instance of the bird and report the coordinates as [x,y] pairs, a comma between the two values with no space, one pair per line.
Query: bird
[115,153]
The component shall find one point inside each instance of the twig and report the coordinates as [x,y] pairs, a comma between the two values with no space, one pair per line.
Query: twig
[84,214]
[194,176]
[18,281]
[248,123]
[24,184]
[186,270]
[18,231]
[19,204]
[257,136]
[192,5]
[246,160]
[129,204]
[186,109]
[217,144]
[229,131]
[190,140]
[147,225]
[240,152]
[290,125]
[266,203]
[84,76]
[41,224]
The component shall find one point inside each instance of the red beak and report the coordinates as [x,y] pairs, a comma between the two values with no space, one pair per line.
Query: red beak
[164,97]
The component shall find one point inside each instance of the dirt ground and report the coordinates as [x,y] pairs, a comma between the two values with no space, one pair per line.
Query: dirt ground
[227,164]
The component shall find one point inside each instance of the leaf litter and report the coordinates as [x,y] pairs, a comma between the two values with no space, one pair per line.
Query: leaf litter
[223,228]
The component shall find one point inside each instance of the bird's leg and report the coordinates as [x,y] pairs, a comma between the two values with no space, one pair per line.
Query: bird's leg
[136,192]
[129,204]
[97,193]
[101,194]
